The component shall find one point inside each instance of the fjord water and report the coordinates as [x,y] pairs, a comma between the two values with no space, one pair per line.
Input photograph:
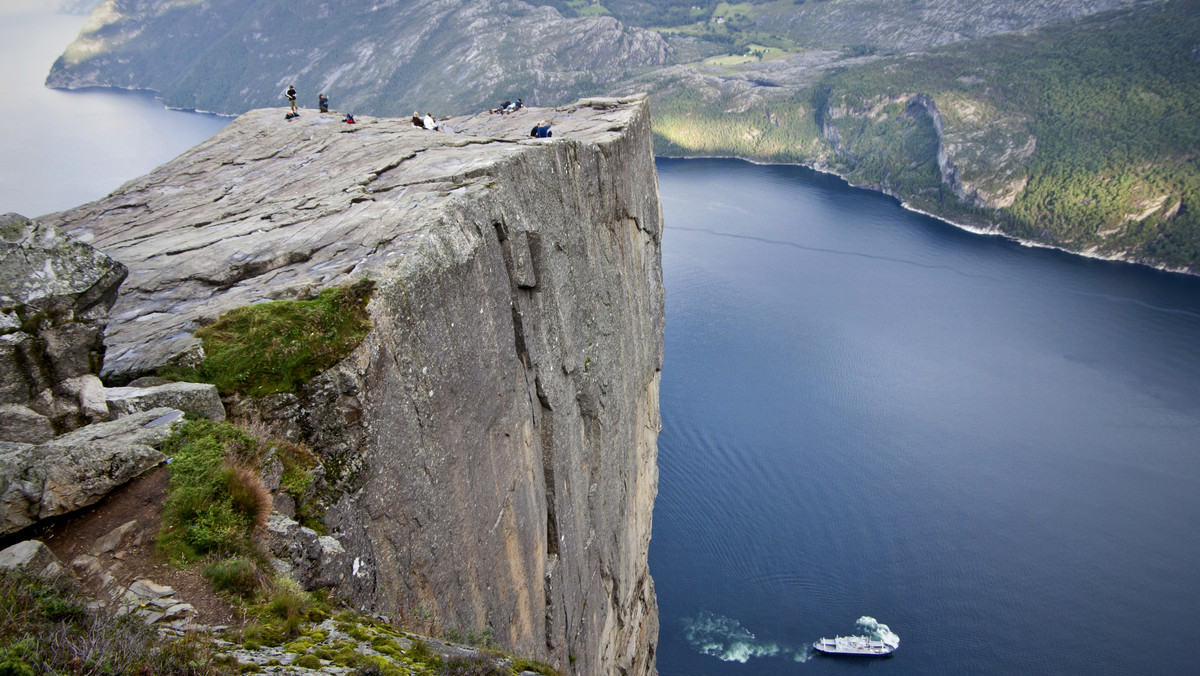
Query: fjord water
[61,149]
[992,449]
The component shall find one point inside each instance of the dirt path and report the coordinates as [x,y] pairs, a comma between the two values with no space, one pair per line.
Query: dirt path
[135,558]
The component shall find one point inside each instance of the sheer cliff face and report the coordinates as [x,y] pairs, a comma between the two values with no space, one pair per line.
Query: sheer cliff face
[496,432]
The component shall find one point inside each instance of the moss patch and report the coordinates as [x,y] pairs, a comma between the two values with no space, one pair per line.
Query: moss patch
[276,346]
[216,501]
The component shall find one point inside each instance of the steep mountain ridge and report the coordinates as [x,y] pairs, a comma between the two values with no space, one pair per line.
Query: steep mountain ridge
[1019,97]
[381,58]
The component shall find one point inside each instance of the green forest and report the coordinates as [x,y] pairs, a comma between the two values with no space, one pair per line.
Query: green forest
[1111,103]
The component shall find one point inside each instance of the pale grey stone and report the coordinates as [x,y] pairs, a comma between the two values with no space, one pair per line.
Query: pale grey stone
[150,589]
[199,398]
[33,557]
[77,469]
[89,393]
[86,566]
[112,539]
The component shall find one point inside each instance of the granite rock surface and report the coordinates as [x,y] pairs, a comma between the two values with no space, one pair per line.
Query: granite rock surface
[494,436]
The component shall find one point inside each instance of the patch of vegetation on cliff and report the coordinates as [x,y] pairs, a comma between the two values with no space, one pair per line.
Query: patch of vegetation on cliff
[217,503]
[279,345]
[894,148]
[48,627]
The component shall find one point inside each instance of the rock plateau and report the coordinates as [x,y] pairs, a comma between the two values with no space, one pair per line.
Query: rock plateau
[494,436]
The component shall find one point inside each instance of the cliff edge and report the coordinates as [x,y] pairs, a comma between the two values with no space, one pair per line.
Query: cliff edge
[494,436]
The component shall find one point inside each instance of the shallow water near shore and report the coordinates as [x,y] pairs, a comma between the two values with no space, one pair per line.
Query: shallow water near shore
[64,148]
[991,449]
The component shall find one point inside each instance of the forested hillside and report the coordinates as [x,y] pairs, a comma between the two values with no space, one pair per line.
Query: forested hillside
[1067,122]
[1082,135]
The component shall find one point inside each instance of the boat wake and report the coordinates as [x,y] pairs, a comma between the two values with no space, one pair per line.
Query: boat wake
[869,626]
[726,639]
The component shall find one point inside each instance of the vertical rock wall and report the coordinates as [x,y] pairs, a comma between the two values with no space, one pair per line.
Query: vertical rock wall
[508,396]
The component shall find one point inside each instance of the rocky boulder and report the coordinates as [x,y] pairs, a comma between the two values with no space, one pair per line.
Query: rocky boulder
[316,561]
[55,293]
[77,469]
[199,398]
[33,557]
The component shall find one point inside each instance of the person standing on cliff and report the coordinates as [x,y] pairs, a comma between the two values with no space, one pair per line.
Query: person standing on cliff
[291,96]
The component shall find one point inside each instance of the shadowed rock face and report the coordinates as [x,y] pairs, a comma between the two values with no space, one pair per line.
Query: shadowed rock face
[495,434]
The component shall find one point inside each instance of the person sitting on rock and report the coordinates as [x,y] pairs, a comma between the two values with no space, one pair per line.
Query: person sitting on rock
[323,103]
[349,119]
[417,120]
[541,130]
[430,123]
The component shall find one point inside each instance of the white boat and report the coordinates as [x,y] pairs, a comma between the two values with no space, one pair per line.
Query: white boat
[854,645]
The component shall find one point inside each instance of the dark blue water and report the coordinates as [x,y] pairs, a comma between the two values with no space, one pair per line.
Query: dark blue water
[992,449]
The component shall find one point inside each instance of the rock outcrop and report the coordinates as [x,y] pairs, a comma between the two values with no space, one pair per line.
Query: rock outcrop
[55,293]
[494,436]
[79,468]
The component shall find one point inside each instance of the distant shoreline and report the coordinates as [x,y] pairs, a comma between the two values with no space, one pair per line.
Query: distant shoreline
[143,92]
[975,230]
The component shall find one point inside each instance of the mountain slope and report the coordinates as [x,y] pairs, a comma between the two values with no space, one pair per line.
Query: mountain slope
[384,58]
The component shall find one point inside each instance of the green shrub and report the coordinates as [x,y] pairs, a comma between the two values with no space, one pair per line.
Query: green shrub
[276,346]
[45,626]
[374,665]
[288,600]
[308,662]
[236,576]
[216,502]
[298,464]
[324,653]
[13,659]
